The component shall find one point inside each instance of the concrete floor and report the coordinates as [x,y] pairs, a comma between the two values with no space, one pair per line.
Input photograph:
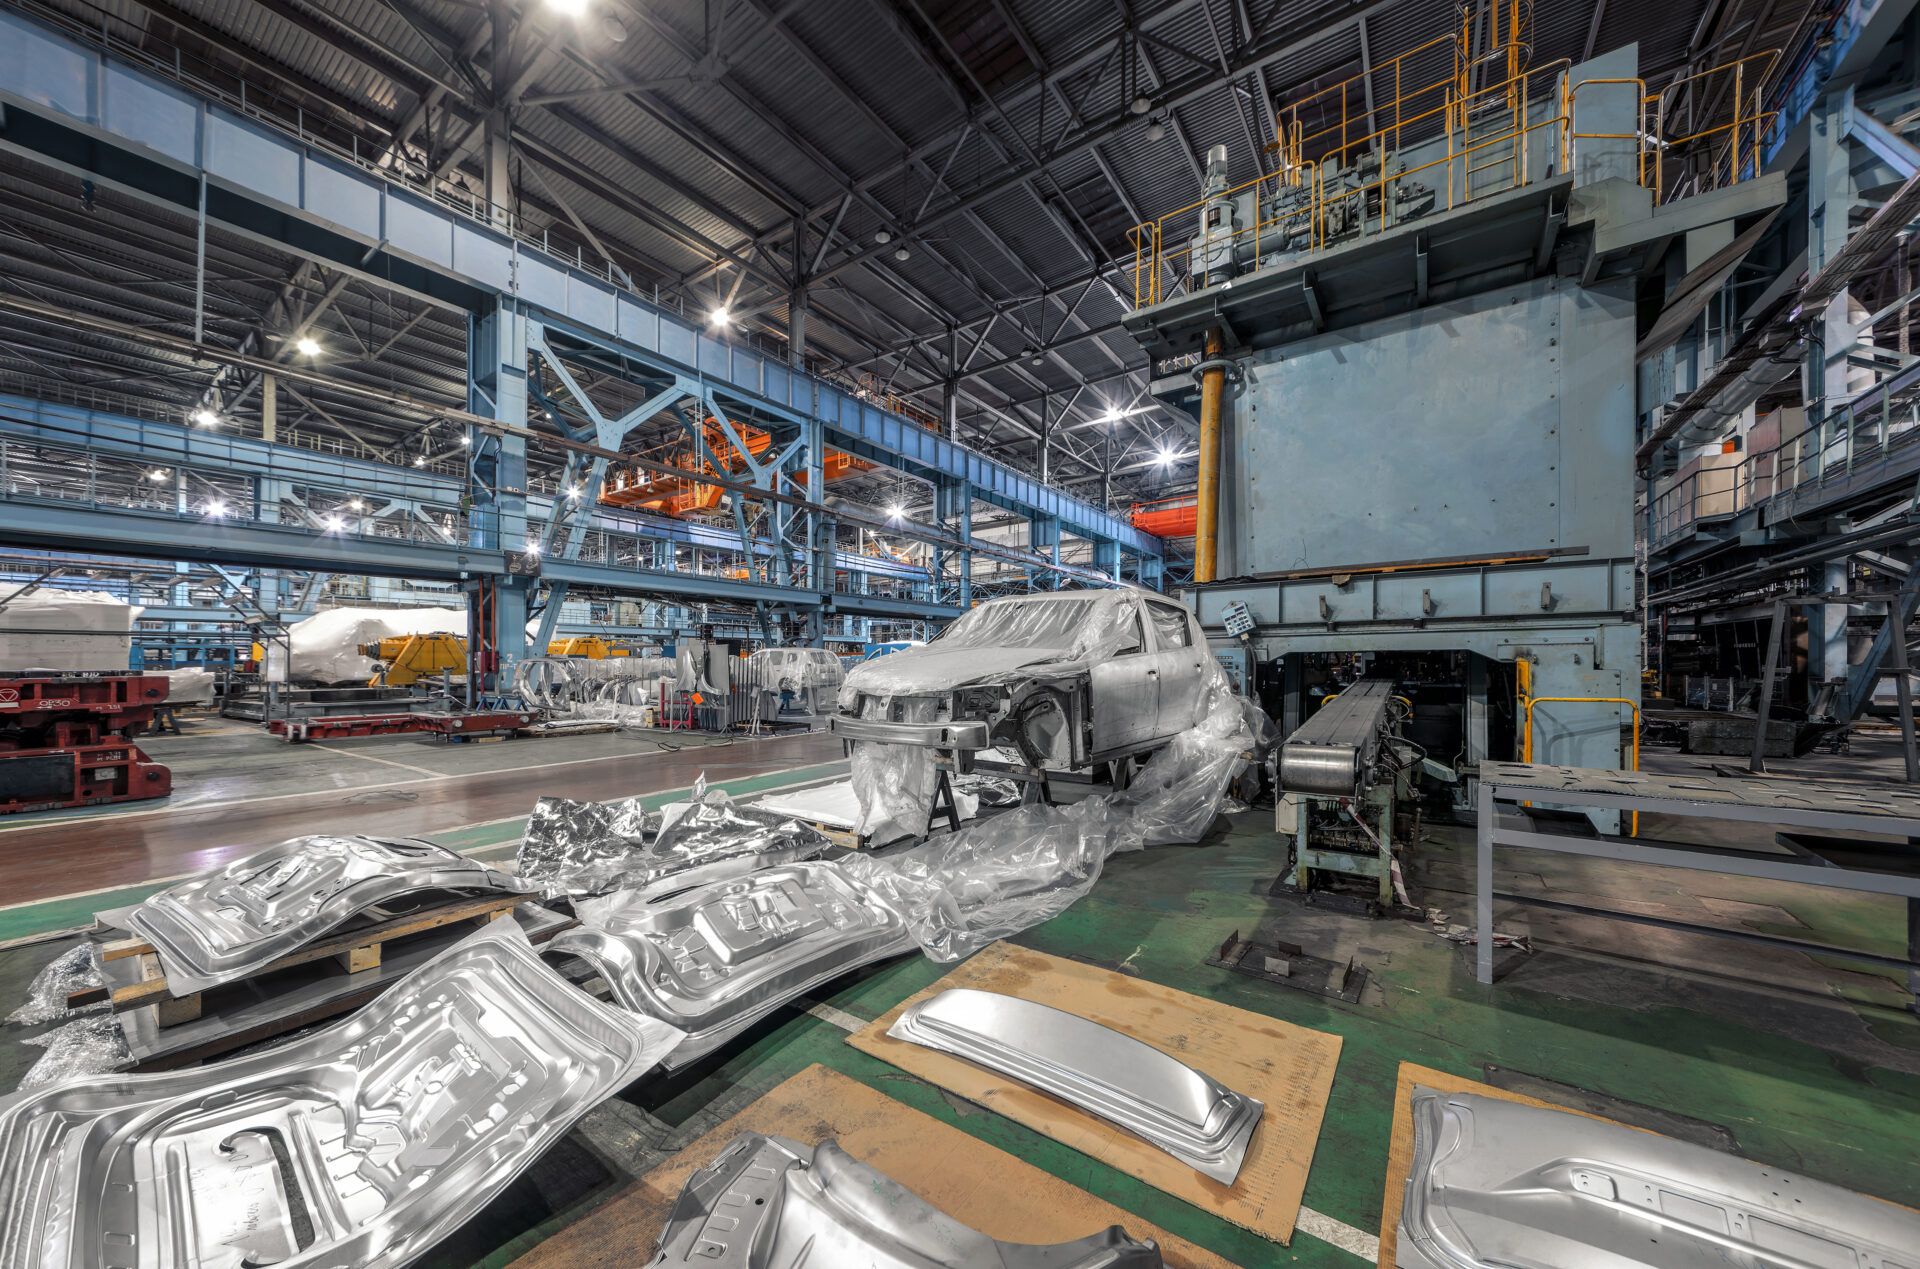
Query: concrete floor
[1794,1062]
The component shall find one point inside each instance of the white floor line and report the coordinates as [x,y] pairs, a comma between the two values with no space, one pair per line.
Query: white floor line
[458,828]
[838,1017]
[367,757]
[345,790]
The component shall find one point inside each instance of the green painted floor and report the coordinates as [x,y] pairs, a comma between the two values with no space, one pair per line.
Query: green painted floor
[1806,1066]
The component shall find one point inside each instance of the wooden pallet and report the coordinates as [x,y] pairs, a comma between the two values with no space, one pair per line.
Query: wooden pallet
[356,947]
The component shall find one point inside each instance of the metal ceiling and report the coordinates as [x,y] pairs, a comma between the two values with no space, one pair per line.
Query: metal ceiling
[720,149]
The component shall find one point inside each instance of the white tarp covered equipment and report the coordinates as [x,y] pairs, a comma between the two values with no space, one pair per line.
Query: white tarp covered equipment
[326,646]
[65,630]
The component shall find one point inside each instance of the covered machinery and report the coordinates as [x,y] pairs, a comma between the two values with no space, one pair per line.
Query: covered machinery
[65,740]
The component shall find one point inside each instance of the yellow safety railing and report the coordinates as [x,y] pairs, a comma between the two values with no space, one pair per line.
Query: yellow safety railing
[1490,146]
[1526,737]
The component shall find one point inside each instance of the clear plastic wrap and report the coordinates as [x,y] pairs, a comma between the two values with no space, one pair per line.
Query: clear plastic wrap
[996,878]
[894,783]
[796,670]
[617,690]
[73,970]
[1009,873]
[85,1046]
[578,849]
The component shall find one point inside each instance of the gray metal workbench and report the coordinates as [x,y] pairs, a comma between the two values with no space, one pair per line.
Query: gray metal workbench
[1842,835]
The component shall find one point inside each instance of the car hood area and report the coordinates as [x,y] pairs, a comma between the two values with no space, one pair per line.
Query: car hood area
[932,669]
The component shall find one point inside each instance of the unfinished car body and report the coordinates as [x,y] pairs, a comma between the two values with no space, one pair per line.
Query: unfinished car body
[1497,1183]
[716,959]
[229,923]
[1191,1116]
[1065,680]
[771,1203]
[358,1145]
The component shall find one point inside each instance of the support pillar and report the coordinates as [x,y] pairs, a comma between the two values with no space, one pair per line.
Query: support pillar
[497,494]
[270,408]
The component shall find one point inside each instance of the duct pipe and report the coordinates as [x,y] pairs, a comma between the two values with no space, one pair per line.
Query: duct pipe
[1213,385]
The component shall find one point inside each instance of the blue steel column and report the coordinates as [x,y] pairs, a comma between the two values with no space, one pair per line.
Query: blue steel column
[497,468]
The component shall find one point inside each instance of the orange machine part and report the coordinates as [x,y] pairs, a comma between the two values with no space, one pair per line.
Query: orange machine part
[1168,518]
[682,495]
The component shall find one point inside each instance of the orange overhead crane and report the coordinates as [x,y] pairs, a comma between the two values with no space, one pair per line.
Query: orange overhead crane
[1168,518]
[683,495]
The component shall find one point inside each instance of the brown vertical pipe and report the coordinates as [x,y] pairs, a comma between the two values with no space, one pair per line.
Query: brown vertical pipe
[1206,536]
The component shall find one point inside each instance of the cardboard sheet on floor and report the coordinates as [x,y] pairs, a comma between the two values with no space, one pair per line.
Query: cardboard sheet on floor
[966,1178]
[1400,1147]
[1289,1068]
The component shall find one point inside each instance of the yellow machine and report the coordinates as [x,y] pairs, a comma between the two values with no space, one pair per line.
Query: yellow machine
[406,659]
[592,647]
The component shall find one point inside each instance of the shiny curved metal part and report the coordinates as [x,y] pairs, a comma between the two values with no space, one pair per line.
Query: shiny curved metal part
[716,959]
[1497,1183]
[1190,1115]
[579,849]
[229,923]
[358,1145]
[770,1203]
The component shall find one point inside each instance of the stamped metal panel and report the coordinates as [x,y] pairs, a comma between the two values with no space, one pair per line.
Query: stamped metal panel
[716,959]
[230,922]
[1186,1113]
[361,1144]
[1497,1183]
[1456,430]
[767,1201]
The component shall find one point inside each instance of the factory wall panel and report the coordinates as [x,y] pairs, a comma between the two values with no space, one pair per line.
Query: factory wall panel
[1494,425]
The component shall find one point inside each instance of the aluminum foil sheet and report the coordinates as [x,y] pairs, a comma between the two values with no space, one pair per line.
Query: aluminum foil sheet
[93,1045]
[771,1203]
[714,960]
[361,1144]
[231,922]
[580,849]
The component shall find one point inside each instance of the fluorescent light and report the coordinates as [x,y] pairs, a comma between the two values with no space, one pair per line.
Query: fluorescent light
[206,418]
[307,346]
[720,317]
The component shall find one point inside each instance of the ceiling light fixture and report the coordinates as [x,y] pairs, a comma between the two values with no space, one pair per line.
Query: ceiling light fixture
[533,548]
[206,418]
[882,237]
[1141,105]
[901,254]
[1156,130]
[571,8]
[158,473]
[421,461]
[357,505]
[307,346]
[216,509]
[333,524]
[720,317]
[1166,457]
[895,511]
[466,440]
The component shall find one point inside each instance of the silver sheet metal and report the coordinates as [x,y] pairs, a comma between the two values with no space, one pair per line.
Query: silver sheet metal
[1331,753]
[1496,1183]
[229,923]
[715,959]
[359,1145]
[580,849]
[771,1203]
[1191,1116]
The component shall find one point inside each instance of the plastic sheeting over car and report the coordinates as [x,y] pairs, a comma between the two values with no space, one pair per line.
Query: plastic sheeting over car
[963,891]
[325,648]
[617,690]
[796,670]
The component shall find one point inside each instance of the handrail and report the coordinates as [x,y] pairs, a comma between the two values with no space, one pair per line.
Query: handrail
[1526,740]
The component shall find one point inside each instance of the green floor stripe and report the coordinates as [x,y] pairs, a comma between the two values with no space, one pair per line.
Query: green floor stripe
[484,841]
